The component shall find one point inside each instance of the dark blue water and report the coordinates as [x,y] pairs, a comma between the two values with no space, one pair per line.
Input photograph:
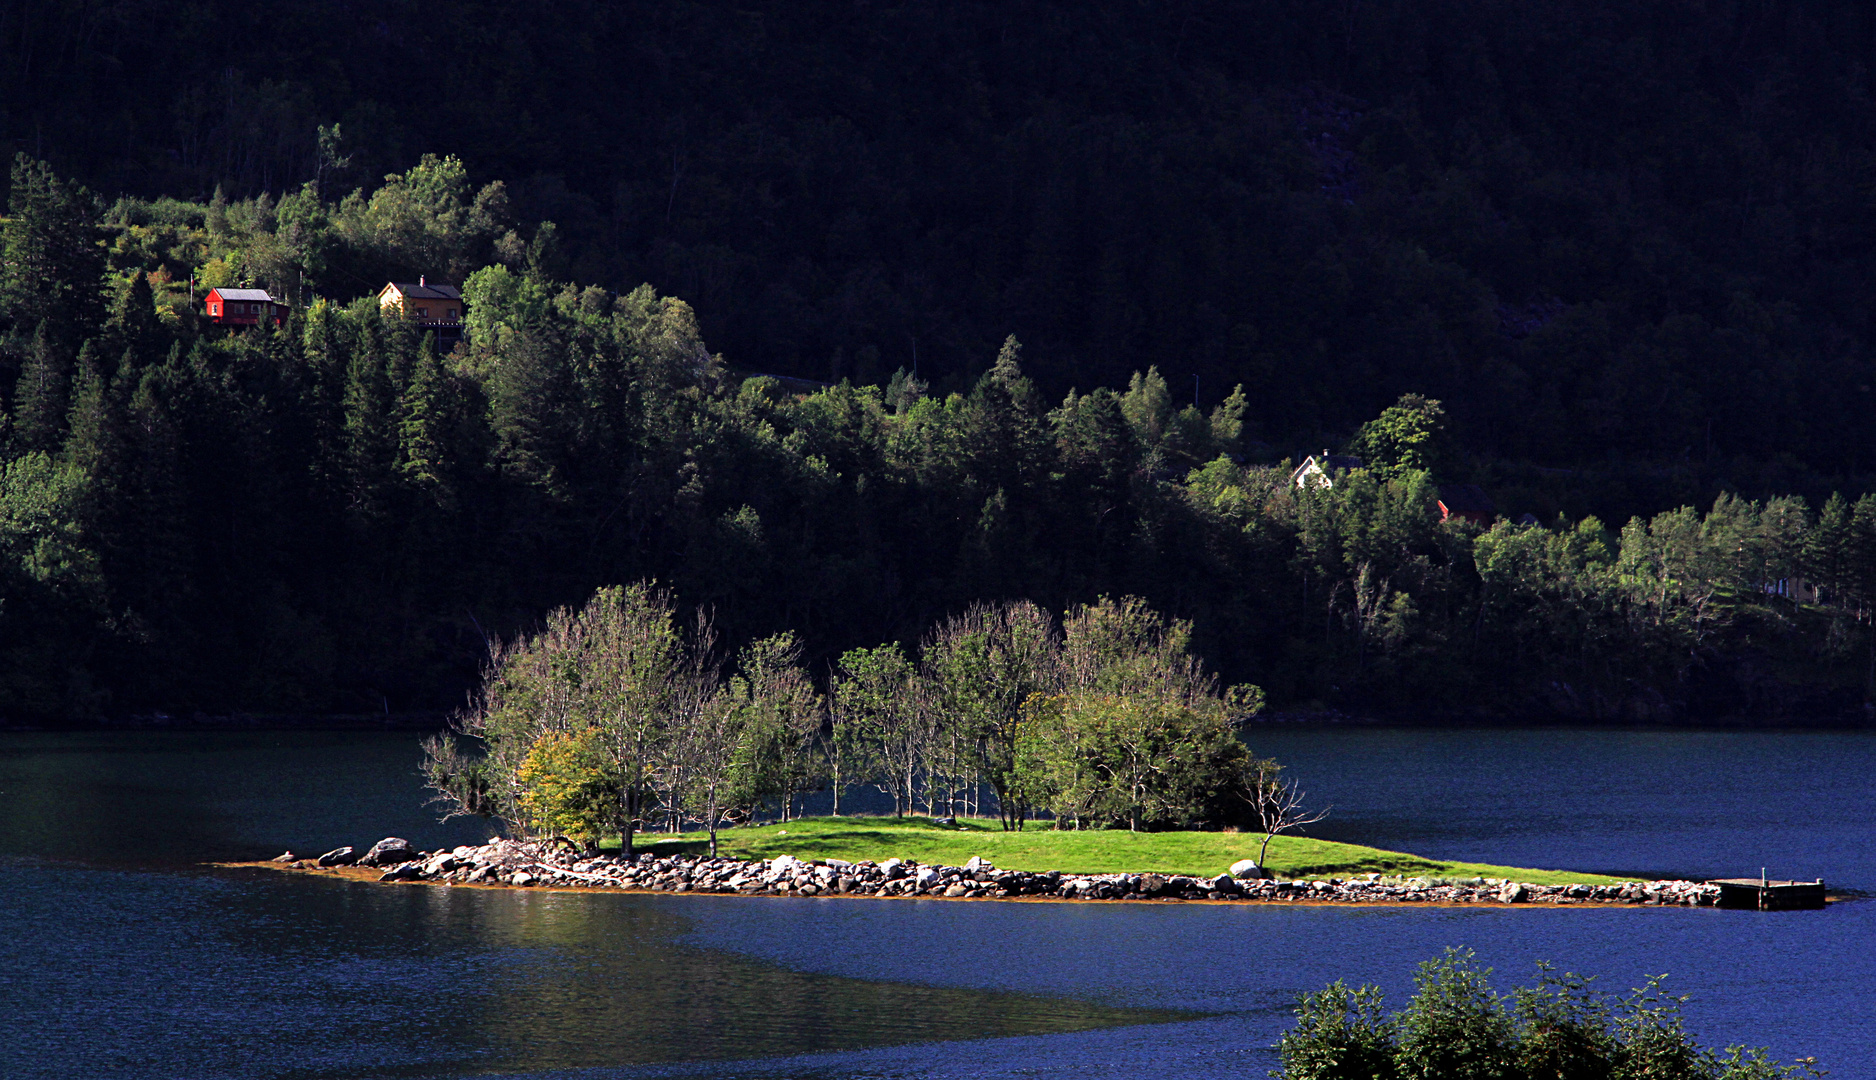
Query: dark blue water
[120,957]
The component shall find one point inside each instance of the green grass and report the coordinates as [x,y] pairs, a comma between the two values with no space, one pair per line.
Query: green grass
[857,839]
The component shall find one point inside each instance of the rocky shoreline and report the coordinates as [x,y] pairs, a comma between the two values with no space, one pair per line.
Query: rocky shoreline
[524,864]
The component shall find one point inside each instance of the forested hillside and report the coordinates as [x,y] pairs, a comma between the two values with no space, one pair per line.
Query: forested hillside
[1605,260]
[1595,229]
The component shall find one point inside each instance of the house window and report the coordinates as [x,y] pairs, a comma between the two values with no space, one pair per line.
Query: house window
[423,313]
[450,314]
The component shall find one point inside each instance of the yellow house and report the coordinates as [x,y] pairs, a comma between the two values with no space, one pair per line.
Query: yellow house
[435,307]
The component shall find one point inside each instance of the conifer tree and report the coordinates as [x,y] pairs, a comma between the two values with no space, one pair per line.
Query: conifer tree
[424,414]
[96,437]
[370,433]
[132,324]
[50,265]
[42,394]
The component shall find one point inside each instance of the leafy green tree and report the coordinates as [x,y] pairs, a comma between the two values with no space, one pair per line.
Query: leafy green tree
[1563,1030]
[979,668]
[1147,405]
[1455,1028]
[1340,1034]
[51,576]
[427,220]
[874,697]
[565,787]
[1408,435]
[779,752]
[1106,758]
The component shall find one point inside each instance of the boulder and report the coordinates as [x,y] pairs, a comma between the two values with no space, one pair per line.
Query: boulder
[956,890]
[344,856]
[389,852]
[1152,884]
[1248,869]
[784,865]
[286,856]
[1226,885]
[976,863]
[927,876]
[1511,893]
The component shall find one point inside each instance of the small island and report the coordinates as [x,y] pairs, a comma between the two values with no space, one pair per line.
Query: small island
[868,857]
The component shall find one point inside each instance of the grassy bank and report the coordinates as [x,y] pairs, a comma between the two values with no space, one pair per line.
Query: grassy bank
[857,839]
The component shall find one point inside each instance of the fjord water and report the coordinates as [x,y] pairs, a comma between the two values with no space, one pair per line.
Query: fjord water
[122,956]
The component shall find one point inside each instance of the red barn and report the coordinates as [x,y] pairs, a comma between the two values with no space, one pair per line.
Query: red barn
[244,307]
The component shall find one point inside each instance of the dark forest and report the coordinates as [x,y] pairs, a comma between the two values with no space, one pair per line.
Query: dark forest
[840,317]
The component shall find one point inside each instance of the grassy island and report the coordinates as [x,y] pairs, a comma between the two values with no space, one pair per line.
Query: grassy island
[858,839]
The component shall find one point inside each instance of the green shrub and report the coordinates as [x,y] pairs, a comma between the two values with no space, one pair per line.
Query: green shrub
[1456,1028]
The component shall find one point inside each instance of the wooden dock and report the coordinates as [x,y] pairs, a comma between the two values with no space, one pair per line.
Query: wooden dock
[1765,894]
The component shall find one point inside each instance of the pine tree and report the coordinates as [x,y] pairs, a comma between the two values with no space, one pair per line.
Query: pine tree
[424,414]
[96,431]
[50,265]
[1827,553]
[370,432]
[133,324]
[42,394]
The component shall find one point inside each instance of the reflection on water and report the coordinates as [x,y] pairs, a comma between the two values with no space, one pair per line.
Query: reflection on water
[253,974]
[120,960]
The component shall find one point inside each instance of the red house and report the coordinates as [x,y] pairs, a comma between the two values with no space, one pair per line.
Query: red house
[1467,502]
[244,307]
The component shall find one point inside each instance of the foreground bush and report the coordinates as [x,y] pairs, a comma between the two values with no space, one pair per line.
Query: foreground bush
[1456,1028]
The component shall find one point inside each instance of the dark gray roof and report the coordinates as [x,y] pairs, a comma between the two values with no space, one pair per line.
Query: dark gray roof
[243,294]
[414,291]
[1465,499]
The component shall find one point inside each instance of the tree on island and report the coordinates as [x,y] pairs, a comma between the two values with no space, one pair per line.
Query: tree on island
[1277,802]
[614,716]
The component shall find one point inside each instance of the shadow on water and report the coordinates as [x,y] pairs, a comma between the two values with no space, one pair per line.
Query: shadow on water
[577,980]
[252,974]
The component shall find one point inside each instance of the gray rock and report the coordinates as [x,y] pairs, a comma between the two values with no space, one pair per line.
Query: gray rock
[286,856]
[1511,893]
[389,852]
[927,876]
[956,890]
[1248,868]
[1226,885]
[1152,884]
[344,856]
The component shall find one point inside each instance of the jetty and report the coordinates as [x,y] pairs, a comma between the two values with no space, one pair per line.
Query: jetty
[1764,894]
